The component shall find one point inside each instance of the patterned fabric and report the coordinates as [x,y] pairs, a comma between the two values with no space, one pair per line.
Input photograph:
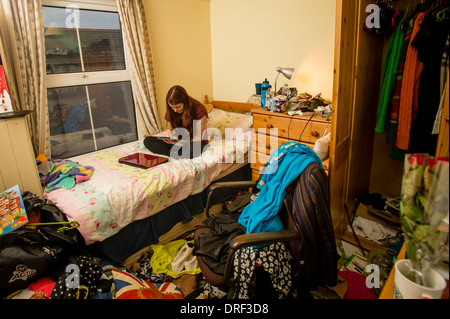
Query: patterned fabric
[315,252]
[128,286]
[222,120]
[22,42]
[275,259]
[143,269]
[65,173]
[90,275]
[118,194]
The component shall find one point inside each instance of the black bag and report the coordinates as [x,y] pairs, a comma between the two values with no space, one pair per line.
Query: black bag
[29,254]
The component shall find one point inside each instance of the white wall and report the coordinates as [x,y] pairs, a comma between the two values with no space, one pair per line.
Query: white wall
[251,38]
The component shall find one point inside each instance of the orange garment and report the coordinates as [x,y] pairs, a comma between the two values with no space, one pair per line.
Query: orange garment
[409,92]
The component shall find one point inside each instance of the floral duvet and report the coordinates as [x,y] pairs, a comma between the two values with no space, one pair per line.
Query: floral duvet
[118,194]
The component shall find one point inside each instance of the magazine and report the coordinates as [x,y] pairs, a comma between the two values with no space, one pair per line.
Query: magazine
[12,210]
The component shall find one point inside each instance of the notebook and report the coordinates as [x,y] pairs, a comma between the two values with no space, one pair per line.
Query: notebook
[142,160]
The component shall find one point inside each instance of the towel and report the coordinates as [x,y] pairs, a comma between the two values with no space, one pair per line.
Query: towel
[283,167]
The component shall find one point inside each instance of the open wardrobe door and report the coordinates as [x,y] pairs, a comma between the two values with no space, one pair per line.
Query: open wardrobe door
[355,94]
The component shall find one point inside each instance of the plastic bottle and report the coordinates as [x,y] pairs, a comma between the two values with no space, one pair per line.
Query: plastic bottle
[286,91]
[264,87]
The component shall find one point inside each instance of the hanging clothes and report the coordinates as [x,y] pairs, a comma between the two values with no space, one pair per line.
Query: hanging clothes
[389,70]
[413,69]
[395,102]
[430,44]
[444,67]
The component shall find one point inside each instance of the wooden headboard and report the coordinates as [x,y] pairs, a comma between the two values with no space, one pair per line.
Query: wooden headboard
[238,107]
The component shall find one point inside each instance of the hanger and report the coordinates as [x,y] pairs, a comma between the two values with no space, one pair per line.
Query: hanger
[408,9]
[430,10]
[396,13]
[70,225]
[442,14]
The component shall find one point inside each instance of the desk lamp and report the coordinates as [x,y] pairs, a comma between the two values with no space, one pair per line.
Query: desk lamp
[287,72]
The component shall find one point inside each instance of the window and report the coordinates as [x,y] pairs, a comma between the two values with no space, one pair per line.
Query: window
[90,98]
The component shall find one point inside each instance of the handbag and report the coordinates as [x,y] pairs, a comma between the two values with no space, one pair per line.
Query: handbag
[34,250]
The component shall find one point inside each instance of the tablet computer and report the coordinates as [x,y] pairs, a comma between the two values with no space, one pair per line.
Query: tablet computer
[142,160]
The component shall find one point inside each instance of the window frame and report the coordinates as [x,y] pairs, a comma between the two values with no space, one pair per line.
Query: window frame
[86,78]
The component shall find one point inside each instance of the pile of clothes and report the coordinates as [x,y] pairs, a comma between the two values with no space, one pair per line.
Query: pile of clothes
[61,174]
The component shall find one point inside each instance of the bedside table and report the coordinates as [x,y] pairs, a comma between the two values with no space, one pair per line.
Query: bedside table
[274,129]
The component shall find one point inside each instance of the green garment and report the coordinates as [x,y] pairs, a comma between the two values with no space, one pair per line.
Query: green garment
[389,70]
[162,258]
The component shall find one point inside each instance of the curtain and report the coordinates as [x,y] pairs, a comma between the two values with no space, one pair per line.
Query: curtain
[134,24]
[23,53]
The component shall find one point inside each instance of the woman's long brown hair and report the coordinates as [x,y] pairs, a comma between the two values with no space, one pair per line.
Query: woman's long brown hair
[176,95]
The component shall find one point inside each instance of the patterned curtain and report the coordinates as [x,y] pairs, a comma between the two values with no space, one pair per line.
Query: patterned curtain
[23,53]
[134,24]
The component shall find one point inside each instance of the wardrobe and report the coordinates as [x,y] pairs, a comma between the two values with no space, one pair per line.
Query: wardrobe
[360,158]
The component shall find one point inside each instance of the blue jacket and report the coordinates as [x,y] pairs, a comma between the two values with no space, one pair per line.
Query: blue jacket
[283,167]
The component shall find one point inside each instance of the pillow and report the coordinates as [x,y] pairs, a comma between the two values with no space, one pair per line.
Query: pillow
[128,286]
[221,120]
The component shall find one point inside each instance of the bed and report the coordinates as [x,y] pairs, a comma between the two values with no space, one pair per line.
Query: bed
[122,209]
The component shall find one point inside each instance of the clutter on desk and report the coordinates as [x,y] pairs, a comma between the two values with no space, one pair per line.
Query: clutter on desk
[289,100]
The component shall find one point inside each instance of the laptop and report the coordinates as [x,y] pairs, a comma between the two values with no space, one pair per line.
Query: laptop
[142,160]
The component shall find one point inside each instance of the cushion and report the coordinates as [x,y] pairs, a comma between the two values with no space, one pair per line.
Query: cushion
[128,286]
[221,120]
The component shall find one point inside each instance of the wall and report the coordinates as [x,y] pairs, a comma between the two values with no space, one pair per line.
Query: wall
[251,38]
[223,47]
[181,43]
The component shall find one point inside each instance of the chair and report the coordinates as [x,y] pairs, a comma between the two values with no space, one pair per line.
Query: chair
[309,233]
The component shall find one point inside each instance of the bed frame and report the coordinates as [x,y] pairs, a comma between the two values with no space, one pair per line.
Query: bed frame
[180,229]
[237,107]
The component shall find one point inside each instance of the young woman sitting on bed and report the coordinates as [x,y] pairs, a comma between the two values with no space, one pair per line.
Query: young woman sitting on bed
[187,118]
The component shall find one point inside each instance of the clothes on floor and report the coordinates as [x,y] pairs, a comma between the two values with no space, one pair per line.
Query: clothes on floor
[83,279]
[356,286]
[164,255]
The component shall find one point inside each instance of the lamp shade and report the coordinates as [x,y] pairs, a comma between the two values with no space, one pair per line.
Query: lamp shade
[287,72]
